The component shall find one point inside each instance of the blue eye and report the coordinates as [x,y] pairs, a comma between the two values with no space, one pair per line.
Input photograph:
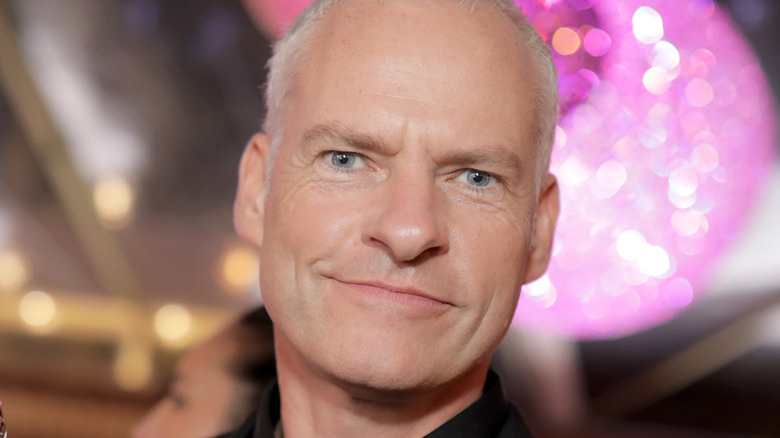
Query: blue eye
[344,160]
[477,178]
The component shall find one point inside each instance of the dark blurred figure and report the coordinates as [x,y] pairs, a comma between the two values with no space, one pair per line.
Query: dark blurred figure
[2,423]
[217,383]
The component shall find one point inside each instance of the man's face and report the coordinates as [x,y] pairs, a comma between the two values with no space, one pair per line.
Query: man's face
[400,214]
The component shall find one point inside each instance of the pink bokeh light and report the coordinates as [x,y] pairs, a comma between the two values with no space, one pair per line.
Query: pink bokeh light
[272,17]
[665,138]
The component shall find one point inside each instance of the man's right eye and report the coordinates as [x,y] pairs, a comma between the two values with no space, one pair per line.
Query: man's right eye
[346,160]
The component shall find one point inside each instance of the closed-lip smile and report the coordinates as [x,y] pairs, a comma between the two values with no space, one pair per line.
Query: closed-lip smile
[412,294]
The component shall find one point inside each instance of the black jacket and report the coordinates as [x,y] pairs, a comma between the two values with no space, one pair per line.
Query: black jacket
[489,417]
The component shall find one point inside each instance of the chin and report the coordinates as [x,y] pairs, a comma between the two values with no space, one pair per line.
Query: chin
[376,376]
[383,388]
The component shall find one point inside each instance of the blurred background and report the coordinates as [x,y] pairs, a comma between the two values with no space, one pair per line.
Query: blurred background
[121,126]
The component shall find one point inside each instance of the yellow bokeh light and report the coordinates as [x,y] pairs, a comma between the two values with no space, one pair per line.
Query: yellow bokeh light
[37,309]
[566,41]
[114,200]
[133,367]
[239,268]
[172,322]
[14,270]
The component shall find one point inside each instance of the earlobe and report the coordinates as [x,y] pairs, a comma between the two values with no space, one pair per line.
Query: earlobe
[546,219]
[249,206]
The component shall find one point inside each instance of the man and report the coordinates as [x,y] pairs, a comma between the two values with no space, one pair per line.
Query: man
[399,199]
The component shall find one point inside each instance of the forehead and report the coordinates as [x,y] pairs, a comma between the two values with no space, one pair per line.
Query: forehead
[447,24]
[419,57]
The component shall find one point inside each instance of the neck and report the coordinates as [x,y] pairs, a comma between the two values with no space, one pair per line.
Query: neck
[316,405]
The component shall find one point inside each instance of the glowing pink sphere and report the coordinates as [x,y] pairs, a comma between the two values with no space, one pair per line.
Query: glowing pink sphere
[274,16]
[658,164]
[666,134]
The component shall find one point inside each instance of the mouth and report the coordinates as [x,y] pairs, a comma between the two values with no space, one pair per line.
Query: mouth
[405,295]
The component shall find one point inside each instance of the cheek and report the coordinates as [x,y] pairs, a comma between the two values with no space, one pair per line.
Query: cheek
[309,220]
[305,225]
[492,243]
[492,253]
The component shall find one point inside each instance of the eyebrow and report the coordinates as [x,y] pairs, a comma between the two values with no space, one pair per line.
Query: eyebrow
[338,133]
[490,155]
[493,155]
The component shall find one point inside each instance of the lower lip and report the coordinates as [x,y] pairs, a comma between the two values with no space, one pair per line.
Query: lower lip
[394,298]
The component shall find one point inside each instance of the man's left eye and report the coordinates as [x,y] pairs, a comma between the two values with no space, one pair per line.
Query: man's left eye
[346,160]
[476,178]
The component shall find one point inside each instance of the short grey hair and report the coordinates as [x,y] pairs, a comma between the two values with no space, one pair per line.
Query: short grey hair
[287,53]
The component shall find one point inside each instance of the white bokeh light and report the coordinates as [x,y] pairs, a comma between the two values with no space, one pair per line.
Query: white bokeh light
[630,245]
[653,261]
[665,55]
[648,26]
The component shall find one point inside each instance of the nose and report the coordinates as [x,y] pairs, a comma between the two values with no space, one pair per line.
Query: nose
[409,220]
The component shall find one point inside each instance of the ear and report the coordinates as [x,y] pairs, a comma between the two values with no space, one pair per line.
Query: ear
[544,229]
[249,206]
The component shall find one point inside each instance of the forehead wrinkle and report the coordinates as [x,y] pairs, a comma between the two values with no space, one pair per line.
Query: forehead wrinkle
[412,99]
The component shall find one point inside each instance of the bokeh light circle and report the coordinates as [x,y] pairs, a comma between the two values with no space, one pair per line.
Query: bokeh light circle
[172,322]
[666,134]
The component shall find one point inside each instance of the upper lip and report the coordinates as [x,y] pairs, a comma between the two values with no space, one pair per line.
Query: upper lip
[409,290]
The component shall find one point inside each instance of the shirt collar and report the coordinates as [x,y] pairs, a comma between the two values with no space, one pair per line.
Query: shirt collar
[483,419]
[269,413]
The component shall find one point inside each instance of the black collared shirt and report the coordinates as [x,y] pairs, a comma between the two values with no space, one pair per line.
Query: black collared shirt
[489,417]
